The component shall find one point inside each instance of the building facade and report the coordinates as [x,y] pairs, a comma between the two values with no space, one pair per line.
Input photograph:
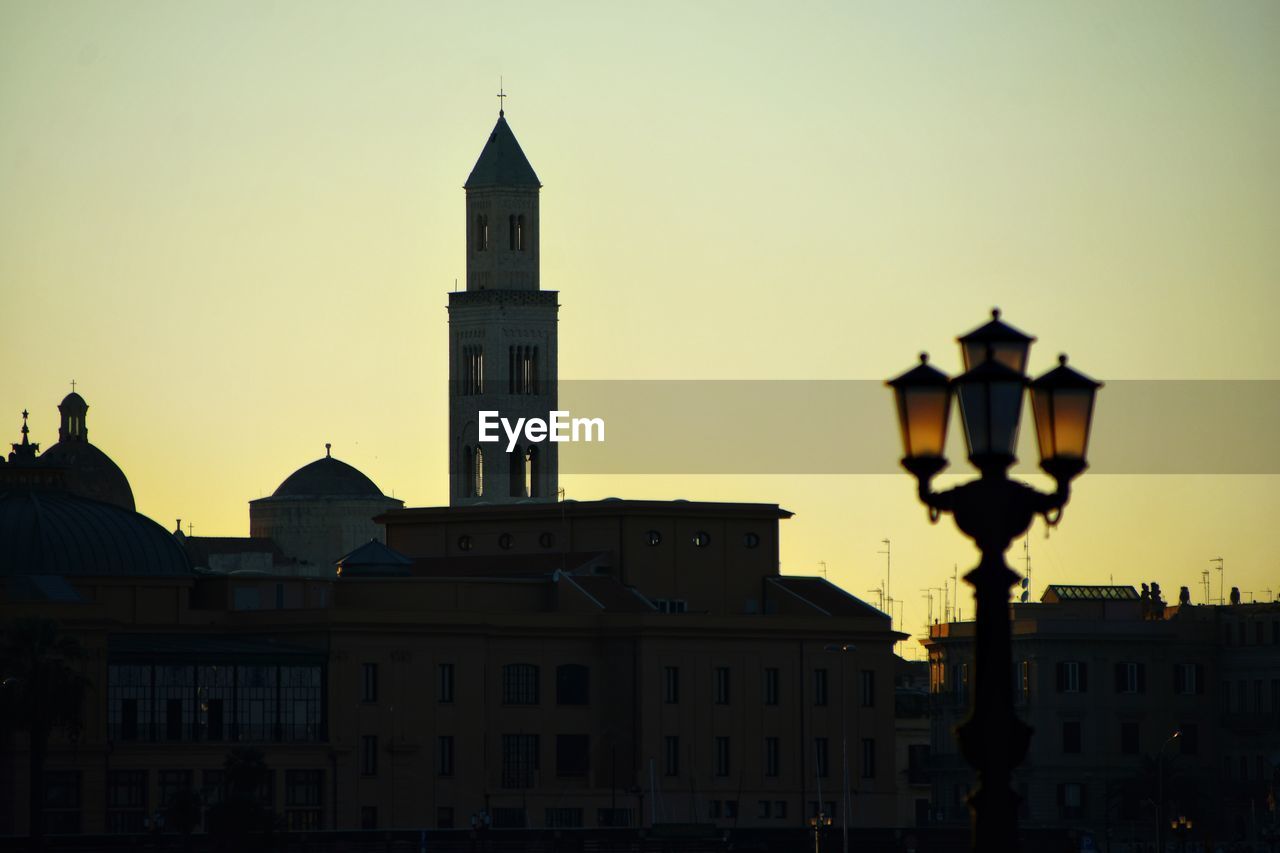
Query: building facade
[1140,711]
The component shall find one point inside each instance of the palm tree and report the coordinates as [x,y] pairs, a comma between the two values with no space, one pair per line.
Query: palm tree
[43,690]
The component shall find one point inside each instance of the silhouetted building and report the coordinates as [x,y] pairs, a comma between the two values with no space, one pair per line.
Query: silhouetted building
[320,512]
[1105,676]
[502,334]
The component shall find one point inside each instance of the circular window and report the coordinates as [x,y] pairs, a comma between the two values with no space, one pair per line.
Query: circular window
[464,543]
[653,537]
[504,541]
[751,540]
[546,539]
[701,539]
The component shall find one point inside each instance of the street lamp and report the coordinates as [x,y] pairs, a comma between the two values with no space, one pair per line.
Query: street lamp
[1160,784]
[844,742]
[993,510]
[1181,826]
[819,822]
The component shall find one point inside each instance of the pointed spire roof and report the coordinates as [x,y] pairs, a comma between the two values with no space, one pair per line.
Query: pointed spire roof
[502,163]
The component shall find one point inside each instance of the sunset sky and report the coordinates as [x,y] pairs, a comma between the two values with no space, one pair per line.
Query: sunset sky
[235,225]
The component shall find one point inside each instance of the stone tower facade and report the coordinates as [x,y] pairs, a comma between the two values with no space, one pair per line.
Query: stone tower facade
[502,334]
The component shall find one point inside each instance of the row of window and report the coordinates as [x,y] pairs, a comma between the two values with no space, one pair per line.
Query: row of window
[702,539]
[522,370]
[1240,634]
[770,686]
[517,233]
[1238,700]
[521,757]
[524,481]
[772,757]
[128,801]
[520,683]
[148,702]
[1130,740]
[1071,676]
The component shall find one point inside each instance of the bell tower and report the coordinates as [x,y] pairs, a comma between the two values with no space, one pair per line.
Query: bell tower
[502,334]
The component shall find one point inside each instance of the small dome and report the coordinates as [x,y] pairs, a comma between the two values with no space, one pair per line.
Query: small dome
[327,477]
[73,401]
[55,533]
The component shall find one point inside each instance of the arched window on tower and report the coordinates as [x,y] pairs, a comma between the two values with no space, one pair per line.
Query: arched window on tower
[519,235]
[468,460]
[477,474]
[482,232]
[532,470]
[516,472]
[472,371]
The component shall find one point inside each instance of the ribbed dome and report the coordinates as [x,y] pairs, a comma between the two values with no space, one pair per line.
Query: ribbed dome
[327,477]
[90,473]
[55,533]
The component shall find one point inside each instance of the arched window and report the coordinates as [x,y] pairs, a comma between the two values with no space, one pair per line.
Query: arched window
[516,459]
[472,370]
[533,471]
[482,232]
[477,474]
[467,462]
[520,684]
[518,234]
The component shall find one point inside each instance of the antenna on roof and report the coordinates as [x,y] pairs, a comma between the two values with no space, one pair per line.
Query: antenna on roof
[1221,575]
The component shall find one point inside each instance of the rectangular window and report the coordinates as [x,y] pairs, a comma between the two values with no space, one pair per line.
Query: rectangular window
[961,683]
[730,809]
[918,764]
[868,758]
[613,817]
[771,686]
[301,709]
[720,686]
[1188,678]
[519,760]
[573,755]
[672,753]
[780,809]
[304,800]
[573,684]
[563,818]
[1189,738]
[369,755]
[1072,676]
[444,683]
[62,802]
[1071,801]
[820,764]
[171,783]
[444,755]
[520,684]
[819,687]
[1071,737]
[771,751]
[671,684]
[126,800]
[368,817]
[507,817]
[721,757]
[129,702]
[444,817]
[868,692]
[763,808]
[1129,738]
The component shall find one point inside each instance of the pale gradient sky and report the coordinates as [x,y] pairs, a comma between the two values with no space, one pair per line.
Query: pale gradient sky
[235,224]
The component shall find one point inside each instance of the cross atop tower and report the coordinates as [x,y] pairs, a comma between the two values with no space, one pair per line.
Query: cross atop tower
[73,386]
[502,95]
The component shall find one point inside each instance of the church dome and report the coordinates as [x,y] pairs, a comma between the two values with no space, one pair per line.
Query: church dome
[327,477]
[56,533]
[90,473]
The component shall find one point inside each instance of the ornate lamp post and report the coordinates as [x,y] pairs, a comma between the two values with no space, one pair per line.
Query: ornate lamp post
[993,510]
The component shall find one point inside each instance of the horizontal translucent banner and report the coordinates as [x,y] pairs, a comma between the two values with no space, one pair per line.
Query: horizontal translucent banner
[850,427]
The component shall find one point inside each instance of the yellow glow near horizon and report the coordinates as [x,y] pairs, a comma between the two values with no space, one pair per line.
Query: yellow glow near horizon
[236,224]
